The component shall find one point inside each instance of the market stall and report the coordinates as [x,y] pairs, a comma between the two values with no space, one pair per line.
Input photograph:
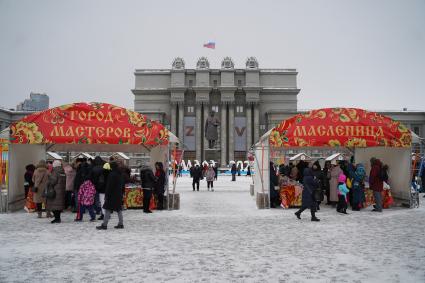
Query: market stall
[80,127]
[4,157]
[364,134]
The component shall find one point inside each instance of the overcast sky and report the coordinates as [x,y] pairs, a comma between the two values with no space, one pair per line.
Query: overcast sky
[362,53]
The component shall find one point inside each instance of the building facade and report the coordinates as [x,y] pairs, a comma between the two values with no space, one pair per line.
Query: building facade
[8,116]
[36,102]
[248,102]
[241,98]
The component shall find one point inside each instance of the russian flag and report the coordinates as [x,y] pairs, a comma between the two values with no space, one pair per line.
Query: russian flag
[210,45]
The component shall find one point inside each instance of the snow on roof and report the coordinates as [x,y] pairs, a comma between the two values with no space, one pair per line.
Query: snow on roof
[84,154]
[338,156]
[54,155]
[300,156]
[122,155]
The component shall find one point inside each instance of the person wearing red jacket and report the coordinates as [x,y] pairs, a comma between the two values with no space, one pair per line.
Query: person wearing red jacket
[376,183]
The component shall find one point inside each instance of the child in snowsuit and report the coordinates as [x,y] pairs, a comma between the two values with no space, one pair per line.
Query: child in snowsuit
[342,194]
[86,196]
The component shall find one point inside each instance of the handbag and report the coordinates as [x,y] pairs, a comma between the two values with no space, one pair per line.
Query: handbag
[34,188]
[49,192]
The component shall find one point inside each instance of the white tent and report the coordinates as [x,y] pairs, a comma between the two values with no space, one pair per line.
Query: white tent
[397,158]
[31,151]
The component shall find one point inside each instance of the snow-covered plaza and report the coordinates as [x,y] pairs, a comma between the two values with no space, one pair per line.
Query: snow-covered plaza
[217,236]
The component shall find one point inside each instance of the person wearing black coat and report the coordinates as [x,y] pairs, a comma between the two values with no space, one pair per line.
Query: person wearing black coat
[113,197]
[99,182]
[30,168]
[318,192]
[148,184]
[196,176]
[310,184]
[160,184]
[274,195]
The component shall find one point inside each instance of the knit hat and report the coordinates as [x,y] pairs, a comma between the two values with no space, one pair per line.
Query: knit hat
[56,163]
[342,178]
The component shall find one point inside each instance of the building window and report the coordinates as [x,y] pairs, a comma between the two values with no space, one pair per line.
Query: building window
[190,83]
[239,109]
[190,109]
[215,109]
[239,82]
[215,83]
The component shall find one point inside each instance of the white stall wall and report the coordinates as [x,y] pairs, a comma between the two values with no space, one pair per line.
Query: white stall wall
[399,163]
[261,165]
[20,155]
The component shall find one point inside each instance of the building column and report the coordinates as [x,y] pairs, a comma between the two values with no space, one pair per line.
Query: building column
[223,126]
[231,132]
[248,126]
[206,114]
[173,118]
[198,131]
[256,123]
[181,123]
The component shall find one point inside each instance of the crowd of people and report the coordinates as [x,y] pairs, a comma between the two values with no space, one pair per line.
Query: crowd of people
[93,185]
[342,182]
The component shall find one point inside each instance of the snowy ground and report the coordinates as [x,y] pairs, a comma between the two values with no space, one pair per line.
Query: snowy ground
[217,237]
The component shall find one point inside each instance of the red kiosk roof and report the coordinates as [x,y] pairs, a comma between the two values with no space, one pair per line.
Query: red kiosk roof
[346,127]
[88,123]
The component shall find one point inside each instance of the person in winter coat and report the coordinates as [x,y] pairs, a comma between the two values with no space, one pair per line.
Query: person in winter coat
[274,195]
[113,197]
[28,184]
[148,184]
[333,188]
[326,179]
[99,182]
[196,176]
[70,172]
[358,187]
[376,183]
[78,180]
[318,174]
[216,172]
[248,171]
[309,186]
[160,184]
[40,179]
[57,181]
[210,178]
[234,170]
[342,194]
[86,194]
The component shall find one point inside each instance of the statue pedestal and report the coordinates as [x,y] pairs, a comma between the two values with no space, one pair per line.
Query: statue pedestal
[212,154]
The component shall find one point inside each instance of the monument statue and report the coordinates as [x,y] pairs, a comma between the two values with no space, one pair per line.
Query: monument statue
[211,132]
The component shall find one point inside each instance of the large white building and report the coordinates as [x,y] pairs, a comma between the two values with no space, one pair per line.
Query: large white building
[248,101]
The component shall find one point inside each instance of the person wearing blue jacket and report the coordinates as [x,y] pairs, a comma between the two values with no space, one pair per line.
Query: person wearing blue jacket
[342,194]
[310,184]
[358,187]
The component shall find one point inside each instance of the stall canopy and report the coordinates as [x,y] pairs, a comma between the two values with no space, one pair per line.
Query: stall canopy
[367,134]
[81,127]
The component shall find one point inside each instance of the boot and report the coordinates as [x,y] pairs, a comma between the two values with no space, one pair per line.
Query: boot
[298,214]
[102,227]
[101,217]
[313,216]
[119,226]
